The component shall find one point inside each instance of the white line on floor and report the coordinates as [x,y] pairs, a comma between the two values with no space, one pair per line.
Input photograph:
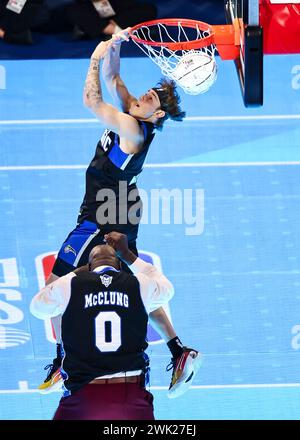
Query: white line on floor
[24,389]
[153,165]
[187,119]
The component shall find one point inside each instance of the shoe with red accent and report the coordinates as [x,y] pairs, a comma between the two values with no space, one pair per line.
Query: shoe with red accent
[54,380]
[55,377]
[185,368]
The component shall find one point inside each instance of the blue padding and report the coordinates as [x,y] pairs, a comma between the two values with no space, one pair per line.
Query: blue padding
[117,156]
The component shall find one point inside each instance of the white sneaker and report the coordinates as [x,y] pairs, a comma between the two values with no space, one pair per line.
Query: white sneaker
[185,368]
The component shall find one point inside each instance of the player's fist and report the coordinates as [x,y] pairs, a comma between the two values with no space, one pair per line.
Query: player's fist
[121,36]
[118,241]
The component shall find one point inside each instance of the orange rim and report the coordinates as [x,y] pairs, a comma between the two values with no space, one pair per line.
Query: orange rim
[181,45]
[226,37]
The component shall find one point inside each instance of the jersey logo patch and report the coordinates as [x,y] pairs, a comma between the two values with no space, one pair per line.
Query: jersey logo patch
[68,249]
[106,279]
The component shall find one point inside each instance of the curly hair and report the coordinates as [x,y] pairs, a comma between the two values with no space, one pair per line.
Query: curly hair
[169,100]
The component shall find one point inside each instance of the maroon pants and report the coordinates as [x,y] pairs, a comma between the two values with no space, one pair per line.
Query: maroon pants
[119,401]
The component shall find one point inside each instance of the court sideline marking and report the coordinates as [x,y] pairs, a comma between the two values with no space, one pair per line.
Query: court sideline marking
[152,165]
[23,387]
[187,119]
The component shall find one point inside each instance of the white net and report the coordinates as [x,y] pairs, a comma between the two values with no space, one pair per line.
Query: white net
[192,69]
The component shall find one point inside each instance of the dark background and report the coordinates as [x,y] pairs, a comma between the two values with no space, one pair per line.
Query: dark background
[61,45]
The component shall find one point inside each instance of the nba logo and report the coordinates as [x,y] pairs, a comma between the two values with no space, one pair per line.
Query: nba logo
[44,264]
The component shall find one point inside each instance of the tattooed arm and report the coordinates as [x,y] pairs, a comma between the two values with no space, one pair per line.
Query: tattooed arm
[92,94]
[111,72]
[125,125]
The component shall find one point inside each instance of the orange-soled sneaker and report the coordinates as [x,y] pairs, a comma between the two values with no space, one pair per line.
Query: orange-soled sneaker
[54,380]
[55,376]
[185,368]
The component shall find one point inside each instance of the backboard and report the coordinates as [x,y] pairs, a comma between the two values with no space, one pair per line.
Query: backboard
[249,65]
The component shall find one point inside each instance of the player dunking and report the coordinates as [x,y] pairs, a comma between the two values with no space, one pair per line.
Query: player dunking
[119,158]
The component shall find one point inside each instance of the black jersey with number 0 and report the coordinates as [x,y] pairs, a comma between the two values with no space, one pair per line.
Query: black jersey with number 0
[104,327]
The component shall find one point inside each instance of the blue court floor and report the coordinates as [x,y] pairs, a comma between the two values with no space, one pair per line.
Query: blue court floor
[236,269]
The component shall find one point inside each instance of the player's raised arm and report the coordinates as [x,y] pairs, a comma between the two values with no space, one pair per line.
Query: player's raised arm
[126,126]
[111,72]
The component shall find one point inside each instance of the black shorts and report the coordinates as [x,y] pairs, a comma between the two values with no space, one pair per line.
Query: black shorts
[76,248]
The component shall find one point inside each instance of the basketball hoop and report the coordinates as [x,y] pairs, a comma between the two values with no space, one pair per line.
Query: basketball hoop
[184,49]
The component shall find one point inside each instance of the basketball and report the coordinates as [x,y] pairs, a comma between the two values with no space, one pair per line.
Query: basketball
[195,72]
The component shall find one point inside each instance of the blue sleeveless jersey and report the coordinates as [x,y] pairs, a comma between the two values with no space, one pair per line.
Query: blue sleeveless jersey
[109,167]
